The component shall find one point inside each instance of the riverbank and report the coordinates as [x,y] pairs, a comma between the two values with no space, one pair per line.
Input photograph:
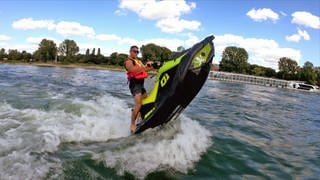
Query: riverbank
[71,65]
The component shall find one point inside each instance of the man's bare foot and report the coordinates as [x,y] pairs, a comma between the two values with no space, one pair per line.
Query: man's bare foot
[133,128]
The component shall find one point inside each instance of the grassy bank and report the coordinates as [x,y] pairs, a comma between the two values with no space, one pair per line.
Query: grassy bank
[70,65]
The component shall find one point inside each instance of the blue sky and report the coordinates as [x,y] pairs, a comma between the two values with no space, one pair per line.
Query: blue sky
[268,30]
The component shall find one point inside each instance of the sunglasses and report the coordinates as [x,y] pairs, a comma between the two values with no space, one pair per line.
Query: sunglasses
[135,51]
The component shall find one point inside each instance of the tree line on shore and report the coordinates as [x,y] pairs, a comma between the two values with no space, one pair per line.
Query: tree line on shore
[234,59]
[68,52]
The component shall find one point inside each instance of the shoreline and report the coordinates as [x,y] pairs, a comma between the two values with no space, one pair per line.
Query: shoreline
[72,65]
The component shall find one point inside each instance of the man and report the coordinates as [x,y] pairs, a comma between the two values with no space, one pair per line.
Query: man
[136,72]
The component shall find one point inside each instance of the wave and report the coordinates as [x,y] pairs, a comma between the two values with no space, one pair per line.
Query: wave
[28,137]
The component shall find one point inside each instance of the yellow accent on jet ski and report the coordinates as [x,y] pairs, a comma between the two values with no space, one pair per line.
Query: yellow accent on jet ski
[201,56]
[149,113]
[164,68]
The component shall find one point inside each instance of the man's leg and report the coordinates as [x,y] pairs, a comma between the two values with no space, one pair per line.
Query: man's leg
[144,93]
[135,112]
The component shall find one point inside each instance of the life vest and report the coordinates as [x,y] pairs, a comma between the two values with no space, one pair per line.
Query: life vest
[142,74]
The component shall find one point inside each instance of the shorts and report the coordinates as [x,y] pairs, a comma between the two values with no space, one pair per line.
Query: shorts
[136,86]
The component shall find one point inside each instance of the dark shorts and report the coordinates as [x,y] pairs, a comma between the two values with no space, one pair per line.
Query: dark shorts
[136,87]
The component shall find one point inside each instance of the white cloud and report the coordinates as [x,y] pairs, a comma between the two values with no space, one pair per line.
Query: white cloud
[167,13]
[175,25]
[264,52]
[129,41]
[29,23]
[171,43]
[297,37]
[192,39]
[307,19]
[304,34]
[293,38]
[37,40]
[107,37]
[263,14]
[67,28]
[4,38]
[153,9]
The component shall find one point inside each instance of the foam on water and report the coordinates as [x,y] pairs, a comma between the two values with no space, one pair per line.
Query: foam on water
[28,136]
[179,152]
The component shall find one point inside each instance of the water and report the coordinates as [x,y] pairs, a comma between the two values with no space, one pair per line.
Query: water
[60,123]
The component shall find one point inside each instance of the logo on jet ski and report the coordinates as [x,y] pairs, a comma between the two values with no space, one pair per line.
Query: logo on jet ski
[164,79]
[199,60]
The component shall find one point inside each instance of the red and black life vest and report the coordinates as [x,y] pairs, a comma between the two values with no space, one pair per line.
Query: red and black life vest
[142,74]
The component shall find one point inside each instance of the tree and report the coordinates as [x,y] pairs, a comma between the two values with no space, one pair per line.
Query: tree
[87,52]
[121,58]
[257,70]
[3,54]
[113,58]
[14,54]
[180,49]
[26,56]
[68,48]
[317,71]
[47,50]
[269,72]
[308,73]
[93,52]
[99,53]
[288,68]
[234,59]
[155,53]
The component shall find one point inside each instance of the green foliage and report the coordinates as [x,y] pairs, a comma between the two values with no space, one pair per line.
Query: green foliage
[117,59]
[99,52]
[288,68]
[68,48]
[47,50]
[308,74]
[317,71]
[26,56]
[14,55]
[3,54]
[121,58]
[113,58]
[234,59]
[269,72]
[93,51]
[87,52]
[155,53]
[257,70]
[180,49]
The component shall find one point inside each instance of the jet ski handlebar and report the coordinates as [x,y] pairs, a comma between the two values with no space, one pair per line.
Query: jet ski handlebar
[155,65]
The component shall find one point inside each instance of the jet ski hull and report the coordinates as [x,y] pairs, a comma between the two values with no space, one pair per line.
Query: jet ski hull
[178,82]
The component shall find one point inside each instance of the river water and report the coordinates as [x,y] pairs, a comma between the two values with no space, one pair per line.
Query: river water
[62,123]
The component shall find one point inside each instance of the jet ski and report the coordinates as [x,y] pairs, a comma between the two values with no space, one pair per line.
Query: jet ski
[177,82]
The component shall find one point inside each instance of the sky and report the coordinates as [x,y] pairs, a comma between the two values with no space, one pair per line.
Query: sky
[268,30]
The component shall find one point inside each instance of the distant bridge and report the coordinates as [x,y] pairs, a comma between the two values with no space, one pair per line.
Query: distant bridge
[248,79]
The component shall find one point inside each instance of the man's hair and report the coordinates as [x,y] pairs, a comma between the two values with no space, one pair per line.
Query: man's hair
[134,46]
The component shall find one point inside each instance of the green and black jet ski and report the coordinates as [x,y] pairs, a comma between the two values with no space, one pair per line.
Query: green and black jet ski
[178,81]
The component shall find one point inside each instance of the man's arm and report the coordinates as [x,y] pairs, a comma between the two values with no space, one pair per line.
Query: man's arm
[130,67]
